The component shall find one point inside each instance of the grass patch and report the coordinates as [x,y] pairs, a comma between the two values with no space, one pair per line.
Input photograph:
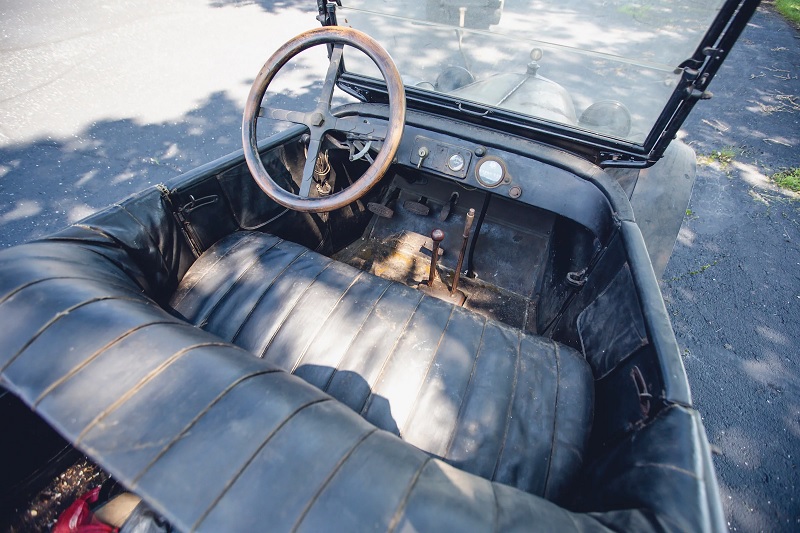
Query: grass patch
[695,272]
[702,268]
[788,179]
[790,9]
[723,157]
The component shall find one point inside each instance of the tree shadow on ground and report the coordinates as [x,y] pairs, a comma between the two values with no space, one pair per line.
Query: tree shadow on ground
[731,286]
[50,183]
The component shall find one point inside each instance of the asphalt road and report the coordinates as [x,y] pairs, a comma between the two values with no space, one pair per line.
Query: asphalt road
[101,99]
[732,285]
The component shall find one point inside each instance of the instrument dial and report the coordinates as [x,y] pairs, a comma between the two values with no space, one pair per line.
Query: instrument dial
[490,172]
[456,162]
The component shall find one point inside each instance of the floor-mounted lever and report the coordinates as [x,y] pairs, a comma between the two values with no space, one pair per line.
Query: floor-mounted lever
[437,236]
[451,203]
[434,285]
[454,292]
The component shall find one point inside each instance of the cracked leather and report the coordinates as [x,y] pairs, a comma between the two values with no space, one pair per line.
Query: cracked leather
[213,438]
[480,395]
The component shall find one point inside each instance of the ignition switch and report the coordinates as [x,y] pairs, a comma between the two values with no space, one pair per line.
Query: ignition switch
[422,153]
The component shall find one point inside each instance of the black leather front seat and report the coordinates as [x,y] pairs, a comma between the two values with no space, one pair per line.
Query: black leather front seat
[480,395]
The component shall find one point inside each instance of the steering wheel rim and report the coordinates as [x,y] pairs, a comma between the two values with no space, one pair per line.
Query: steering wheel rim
[321,120]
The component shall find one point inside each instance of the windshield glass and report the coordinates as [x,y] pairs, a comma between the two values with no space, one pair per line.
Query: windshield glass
[605,66]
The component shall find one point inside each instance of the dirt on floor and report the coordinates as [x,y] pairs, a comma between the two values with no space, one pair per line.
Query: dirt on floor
[43,510]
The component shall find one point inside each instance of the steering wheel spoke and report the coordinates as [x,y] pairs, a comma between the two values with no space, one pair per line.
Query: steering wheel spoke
[326,95]
[298,117]
[314,147]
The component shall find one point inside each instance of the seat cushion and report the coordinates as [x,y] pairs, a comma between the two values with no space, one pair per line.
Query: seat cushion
[482,396]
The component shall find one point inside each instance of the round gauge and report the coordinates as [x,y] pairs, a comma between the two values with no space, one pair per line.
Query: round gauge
[456,162]
[490,172]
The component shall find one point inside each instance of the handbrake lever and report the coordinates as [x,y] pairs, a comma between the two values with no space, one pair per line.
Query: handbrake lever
[467,229]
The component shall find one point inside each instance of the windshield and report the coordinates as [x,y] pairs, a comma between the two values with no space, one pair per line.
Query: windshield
[602,66]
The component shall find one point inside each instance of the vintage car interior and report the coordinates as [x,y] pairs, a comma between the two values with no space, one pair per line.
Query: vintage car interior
[381,318]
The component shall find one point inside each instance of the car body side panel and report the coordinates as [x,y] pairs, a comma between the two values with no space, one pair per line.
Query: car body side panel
[660,199]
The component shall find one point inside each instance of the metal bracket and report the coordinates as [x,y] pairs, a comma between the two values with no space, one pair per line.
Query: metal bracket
[196,203]
[327,12]
[577,279]
[645,398]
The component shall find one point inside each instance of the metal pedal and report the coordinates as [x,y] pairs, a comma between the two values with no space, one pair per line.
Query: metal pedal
[418,208]
[451,203]
[380,210]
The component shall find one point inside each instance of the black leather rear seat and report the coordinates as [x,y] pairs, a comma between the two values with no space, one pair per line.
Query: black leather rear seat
[484,397]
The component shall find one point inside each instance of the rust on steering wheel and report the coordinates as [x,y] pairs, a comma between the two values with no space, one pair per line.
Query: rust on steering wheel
[321,120]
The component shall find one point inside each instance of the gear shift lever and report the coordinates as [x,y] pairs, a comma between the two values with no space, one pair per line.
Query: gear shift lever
[437,236]
[436,287]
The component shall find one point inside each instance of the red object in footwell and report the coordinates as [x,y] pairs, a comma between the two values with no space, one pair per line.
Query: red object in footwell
[78,518]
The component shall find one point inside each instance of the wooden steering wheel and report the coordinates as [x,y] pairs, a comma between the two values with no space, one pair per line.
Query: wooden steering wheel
[321,121]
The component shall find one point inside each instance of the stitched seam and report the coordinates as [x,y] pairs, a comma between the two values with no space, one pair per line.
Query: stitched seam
[555,417]
[202,322]
[368,401]
[241,242]
[81,243]
[355,336]
[287,313]
[413,409]
[38,257]
[467,391]
[35,282]
[101,269]
[83,364]
[406,496]
[575,525]
[197,417]
[263,293]
[252,458]
[55,318]
[121,268]
[93,229]
[510,407]
[667,467]
[329,478]
[153,240]
[243,239]
[324,321]
[142,383]
[496,508]
[88,227]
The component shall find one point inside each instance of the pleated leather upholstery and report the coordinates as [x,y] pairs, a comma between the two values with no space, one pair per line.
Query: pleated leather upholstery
[214,439]
[484,397]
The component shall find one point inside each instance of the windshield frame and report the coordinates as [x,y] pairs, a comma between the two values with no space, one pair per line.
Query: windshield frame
[697,72]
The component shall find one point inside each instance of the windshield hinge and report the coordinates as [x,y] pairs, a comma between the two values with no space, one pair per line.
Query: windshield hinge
[619,160]
[327,12]
[714,53]
[695,84]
